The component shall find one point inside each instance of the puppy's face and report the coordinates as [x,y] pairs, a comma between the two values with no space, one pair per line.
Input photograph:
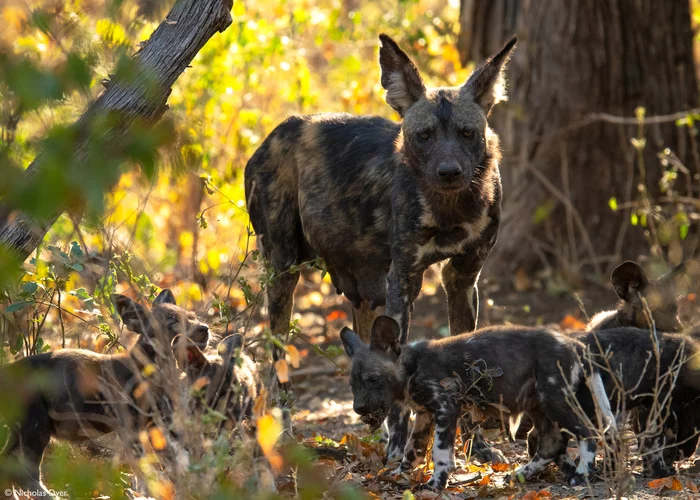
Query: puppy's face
[375,377]
[164,321]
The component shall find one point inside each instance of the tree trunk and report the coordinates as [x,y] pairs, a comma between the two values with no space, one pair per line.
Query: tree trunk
[138,100]
[577,63]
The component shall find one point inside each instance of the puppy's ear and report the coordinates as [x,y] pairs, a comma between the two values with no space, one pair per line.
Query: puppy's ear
[351,341]
[189,357]
[400,77]
[385,335]
[165,297]
[628,278]
[134,315]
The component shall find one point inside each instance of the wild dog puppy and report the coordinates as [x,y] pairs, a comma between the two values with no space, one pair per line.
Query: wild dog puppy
[381,201]
[631,285]
[76,394]
[661,295]
[511,371]
[230,379]
[669,391]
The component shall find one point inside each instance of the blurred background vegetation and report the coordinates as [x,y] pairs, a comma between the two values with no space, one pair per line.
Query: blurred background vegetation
[588,181]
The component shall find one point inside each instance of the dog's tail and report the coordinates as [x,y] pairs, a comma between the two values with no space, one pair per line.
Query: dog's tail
[600,398]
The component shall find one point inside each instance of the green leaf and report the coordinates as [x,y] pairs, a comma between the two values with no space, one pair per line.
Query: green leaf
[613,204]
[75,250]
[29,287]
[18,306]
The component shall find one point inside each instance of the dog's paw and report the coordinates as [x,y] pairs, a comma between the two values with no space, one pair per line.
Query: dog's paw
[490,455]
[431,485]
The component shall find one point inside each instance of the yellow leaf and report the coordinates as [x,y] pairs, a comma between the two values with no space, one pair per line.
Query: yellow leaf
[268,432]
[157,439]
[294,356]
[282,370]
[149,370]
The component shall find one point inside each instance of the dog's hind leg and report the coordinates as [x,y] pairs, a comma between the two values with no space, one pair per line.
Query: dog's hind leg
[480,449]
[27,445]
[280,295]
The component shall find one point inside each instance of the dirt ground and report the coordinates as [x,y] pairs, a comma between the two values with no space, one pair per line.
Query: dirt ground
[324,401]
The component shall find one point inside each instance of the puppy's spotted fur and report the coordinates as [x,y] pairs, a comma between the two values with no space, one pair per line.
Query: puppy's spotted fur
[526,370]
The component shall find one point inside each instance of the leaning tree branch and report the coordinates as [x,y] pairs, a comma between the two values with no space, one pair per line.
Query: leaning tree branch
[138,99]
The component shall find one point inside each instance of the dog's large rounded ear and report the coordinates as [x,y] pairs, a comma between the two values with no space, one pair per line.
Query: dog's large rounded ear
[351,341]
[487,84]
[385,335]
[133,314]
[165,297]
[628,278]
[187,354]
[227,347]
[400,77]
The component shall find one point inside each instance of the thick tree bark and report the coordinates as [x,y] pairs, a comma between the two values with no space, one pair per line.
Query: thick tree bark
[578,63]
[138,100]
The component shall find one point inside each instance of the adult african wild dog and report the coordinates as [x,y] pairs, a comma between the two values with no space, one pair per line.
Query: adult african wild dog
[381,201]
[632,285]
[503,370]
[76,394]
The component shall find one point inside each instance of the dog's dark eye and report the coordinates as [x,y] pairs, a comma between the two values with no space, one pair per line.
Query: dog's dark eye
[373,379]
[468,133]
[424,135]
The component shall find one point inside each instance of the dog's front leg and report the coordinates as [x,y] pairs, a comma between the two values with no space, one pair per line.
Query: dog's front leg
[459,277]
[402,288]
[443,446]
[403,285]
[415,449]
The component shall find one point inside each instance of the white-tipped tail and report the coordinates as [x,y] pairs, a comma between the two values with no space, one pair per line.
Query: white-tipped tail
[601,399]
[514,424]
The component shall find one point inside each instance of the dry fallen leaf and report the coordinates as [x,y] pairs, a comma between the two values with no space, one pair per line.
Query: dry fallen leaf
[282,369]
[200,383]
[570,322]
[157,439]
[671,483]
[485,481]
[500,467]
[336,314]
[294,356]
